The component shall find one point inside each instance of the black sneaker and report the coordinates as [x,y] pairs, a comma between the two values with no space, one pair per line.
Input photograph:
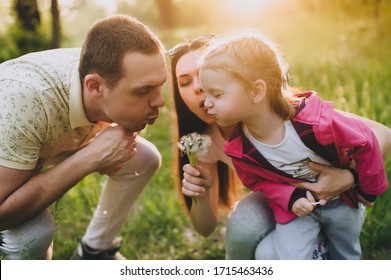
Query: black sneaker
[84,253]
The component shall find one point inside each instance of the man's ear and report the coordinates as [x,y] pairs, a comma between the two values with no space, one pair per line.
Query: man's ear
[259,91]
[93,83]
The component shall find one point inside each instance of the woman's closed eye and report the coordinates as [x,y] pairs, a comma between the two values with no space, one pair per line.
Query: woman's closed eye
[184,82]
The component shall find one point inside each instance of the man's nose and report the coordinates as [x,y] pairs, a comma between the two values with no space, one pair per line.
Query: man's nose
[158,100]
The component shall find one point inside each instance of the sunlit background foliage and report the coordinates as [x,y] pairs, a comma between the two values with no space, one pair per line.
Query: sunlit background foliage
[340,48]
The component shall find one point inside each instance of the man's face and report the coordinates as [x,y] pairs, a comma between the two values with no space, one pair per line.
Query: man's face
[134,101]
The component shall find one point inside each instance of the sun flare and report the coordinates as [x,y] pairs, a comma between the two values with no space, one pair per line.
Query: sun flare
[248,6]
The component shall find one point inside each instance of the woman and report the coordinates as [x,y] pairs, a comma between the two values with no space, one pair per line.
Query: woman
[250,224]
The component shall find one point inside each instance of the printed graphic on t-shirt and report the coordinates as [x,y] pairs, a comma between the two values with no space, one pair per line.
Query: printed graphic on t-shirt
[300,170]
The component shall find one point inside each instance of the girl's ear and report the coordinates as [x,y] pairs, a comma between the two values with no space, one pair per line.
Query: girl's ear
[259,91]
[93,83]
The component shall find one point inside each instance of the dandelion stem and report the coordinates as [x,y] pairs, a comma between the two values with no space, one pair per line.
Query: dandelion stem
[194,145]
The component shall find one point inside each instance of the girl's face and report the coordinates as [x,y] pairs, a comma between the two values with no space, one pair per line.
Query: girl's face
[189,86]
[227,99]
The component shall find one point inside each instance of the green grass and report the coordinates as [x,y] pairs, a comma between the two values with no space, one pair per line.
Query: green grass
[159,228]
[344,57]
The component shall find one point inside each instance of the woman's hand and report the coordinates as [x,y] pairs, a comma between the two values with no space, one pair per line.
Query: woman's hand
[331,183]
[202,182]
[194,183]
[364,201]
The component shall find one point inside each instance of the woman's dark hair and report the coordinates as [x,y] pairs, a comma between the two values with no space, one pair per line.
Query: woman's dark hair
[188,122]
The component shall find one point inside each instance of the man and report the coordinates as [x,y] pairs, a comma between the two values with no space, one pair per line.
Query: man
[78,112]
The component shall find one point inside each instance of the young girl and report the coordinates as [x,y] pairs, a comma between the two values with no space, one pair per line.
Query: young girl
[243,78]
[242,236]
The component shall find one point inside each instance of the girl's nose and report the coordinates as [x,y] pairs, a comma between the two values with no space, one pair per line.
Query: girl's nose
[208,103]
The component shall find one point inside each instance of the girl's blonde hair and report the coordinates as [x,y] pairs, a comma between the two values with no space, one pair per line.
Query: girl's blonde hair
[250,56]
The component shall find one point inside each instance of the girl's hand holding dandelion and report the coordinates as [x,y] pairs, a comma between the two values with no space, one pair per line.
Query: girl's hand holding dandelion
[194,145]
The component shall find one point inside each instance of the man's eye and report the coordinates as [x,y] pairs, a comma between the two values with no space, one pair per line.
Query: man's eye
[142,91]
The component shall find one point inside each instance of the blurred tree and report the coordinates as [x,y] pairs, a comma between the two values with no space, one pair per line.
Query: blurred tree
[195,14]
[166,13]
[26,32]
[28,14]
[56,25]
[376,8]
[80,15]
[145,11]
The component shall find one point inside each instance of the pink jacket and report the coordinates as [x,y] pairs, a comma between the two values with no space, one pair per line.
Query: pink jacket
[336,137]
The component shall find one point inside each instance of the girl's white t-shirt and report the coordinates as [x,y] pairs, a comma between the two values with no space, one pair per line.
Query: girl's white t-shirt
[291,155]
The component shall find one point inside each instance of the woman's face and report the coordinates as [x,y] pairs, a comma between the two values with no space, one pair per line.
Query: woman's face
[189,86]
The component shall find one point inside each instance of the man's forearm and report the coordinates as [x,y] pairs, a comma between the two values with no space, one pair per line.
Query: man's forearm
[112,147]
[41,190]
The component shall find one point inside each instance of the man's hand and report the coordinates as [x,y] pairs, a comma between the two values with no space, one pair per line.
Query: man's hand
[111,149]
[111,170]
[331,183]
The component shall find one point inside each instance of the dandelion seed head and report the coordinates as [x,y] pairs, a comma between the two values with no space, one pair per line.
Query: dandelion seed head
[193,145]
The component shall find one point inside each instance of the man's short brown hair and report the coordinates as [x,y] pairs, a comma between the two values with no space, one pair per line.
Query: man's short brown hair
[109,40]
